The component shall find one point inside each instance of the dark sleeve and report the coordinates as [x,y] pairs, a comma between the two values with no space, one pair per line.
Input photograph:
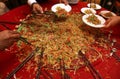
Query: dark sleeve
[109,5]
[15,3]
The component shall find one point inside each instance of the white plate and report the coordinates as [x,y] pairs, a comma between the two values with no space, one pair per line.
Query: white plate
[84,18]
[105,11]
[61,5]
[97,6]
[86,8]
[73,1]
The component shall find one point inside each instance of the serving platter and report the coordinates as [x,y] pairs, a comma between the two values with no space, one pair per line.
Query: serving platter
[69,41]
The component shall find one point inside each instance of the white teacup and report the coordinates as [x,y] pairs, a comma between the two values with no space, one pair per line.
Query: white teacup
[73,1]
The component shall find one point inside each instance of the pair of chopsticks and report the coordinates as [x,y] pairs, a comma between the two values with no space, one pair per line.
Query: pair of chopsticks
[40,63]
[9,22]
[39,70]
[93,71]
[114,50]
[23,63]
[64,75]
[113,53]
[21,38]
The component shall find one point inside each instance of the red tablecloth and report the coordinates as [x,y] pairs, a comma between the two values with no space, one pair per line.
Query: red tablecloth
[109,68]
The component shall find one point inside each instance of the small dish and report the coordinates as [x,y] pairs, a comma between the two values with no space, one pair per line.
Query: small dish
[99,25]
[61,5]
[87,10]
[73,1]
[107,14]
[94,6]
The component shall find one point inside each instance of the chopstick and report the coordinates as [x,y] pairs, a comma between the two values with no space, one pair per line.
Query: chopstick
[39,71]
[40,63]
[23,63]
[63,70]
[90,3]
[94,72]
[21,38]
[50,76]
[114,50]
[113,53]
[94,2]
[9,22]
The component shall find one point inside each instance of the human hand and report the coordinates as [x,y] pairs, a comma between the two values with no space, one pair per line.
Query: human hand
[113,21]
[37,8]
[65,2]
[7,38]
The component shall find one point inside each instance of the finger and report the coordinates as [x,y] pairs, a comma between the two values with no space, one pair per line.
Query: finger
[40,10]
[65,2]
[107,21]
[11,41]
[14,36]
[108,25]
[13,32]
[35,11]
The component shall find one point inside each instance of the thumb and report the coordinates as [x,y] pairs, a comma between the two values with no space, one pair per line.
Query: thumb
[107,25]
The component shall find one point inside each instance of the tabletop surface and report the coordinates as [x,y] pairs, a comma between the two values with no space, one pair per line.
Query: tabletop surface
[109,68]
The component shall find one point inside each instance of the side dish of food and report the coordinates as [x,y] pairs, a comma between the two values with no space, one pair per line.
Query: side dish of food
[107,14]
[87,10]
[94,6]
[94,20]
[55,7]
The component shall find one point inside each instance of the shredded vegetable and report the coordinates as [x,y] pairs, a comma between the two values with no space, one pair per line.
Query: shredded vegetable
[62,40]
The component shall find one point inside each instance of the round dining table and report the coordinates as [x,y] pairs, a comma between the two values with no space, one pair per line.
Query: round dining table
[108,68]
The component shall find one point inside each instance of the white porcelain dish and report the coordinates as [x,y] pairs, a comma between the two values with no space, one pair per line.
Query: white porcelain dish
[97,6]
[61,5]
[90,10]
[73,1]
[102,21]
[107,14]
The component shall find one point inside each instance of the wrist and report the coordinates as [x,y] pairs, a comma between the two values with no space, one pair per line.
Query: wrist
[33,4]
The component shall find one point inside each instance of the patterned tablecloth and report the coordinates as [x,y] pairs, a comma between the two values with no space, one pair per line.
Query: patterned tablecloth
[109,68]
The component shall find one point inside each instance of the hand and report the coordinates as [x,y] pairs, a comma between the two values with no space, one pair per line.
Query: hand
[7,38]
[37,8]
[65,2]
[113,21]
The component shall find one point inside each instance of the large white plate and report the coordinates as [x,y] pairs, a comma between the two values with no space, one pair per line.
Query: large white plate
[61,5]
[97,6]
[83,10]
[84,18]
[105,12]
